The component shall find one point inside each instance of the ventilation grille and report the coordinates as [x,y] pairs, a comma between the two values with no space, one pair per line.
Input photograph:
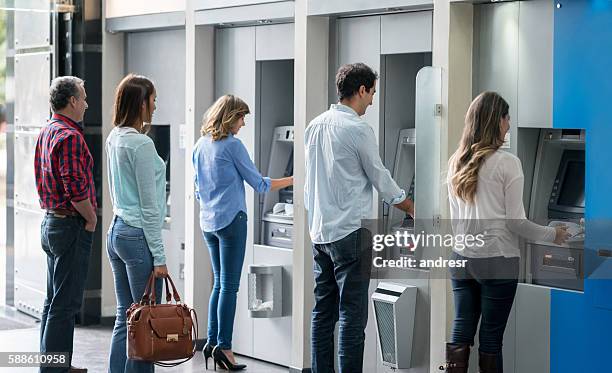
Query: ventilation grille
[386,330]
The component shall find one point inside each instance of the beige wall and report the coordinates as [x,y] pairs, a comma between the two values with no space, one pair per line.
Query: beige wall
[124,8]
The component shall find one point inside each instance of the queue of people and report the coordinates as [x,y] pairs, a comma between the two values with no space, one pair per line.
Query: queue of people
[342,166]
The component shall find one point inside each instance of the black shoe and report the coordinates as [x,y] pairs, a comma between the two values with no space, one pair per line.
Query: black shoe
[220,358]
[207,352]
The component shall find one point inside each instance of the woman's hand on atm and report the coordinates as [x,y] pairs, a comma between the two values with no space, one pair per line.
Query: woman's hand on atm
[281,183]
[561,234]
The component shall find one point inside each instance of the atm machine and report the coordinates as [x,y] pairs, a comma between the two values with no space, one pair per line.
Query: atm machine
[277,206]
[404,174]
[558,198]
[254,61]
[270,275]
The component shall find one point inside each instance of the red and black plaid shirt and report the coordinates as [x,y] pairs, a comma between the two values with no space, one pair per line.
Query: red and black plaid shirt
[63,165]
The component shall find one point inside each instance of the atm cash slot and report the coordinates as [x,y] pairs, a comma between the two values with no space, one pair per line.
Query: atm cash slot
[557,266]
[561,263]
[278,234]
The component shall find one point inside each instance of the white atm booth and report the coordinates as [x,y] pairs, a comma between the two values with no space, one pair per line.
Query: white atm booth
[254,61]
[397,45]
[513,55]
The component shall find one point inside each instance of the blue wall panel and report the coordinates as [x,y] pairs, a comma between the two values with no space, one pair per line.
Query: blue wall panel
[581,324]
[567,326]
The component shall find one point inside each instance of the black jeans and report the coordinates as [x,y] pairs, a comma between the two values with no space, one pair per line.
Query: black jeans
[484,290]
[342,277]
[68,247]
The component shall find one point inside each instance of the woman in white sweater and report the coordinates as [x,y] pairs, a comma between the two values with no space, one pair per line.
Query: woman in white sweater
[485,188]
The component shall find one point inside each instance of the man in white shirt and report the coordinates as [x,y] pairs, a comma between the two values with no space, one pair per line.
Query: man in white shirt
[342,166]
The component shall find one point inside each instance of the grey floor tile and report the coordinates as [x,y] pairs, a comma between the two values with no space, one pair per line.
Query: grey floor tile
[91,346]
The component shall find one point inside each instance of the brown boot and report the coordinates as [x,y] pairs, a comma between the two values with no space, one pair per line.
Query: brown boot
[457,358]
[77,370]
[487,363]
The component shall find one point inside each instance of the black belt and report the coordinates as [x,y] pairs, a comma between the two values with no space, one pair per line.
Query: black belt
[62,213]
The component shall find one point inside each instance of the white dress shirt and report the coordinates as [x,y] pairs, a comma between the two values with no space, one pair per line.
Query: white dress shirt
[497,212]
[342,165]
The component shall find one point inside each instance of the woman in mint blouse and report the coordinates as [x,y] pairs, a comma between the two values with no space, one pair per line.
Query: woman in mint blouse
[137,181]
[222,165]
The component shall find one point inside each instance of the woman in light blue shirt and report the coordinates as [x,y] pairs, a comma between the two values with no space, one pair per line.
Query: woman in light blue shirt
[222,165]
[137,181]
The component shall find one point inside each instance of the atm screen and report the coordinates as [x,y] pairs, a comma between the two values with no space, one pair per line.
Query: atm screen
[289,167]
[572,188]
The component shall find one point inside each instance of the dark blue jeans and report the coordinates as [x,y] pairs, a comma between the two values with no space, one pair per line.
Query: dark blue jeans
[342,277]
[484,290]
[227,248]
[132,263]
[68,247]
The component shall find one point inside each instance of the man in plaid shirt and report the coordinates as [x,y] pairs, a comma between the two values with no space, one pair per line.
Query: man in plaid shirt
[64,178]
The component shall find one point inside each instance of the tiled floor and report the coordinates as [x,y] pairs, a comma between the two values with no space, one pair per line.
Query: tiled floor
[91,351]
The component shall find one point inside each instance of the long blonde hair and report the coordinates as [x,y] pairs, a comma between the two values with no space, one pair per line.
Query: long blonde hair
[481,137]
[222,115]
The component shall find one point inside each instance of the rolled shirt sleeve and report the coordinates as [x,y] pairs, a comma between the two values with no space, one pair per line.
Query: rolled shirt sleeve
[151,215]
[195,176]
[307,174]
[71,168]
[377,173]
[246,168]
[516,219]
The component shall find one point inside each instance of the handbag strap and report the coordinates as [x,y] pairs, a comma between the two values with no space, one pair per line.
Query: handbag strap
[177,298]
[148,297]
[168,295]
[194,326]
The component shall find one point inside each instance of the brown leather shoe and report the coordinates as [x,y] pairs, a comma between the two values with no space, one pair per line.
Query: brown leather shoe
[77,370]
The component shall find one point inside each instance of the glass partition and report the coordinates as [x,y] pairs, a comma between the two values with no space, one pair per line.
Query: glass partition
[427,124]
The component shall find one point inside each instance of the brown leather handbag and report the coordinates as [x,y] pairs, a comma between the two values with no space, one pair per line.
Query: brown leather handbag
[161,332]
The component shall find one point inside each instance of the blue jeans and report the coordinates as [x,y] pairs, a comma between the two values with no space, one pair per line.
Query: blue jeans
[227,248]
[68,247]
[342,277]
[132,263]
[484,290]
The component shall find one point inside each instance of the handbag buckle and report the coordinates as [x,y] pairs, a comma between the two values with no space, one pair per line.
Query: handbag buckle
[172,338]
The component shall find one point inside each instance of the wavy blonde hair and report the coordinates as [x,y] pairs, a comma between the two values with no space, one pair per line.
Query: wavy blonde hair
[222,116]
[481,137]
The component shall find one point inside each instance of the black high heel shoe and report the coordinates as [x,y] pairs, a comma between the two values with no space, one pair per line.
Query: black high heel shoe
[207,352]
[220,358]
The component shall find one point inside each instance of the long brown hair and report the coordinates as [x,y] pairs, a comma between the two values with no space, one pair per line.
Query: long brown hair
[131,93]
[222,115]
[481,137]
